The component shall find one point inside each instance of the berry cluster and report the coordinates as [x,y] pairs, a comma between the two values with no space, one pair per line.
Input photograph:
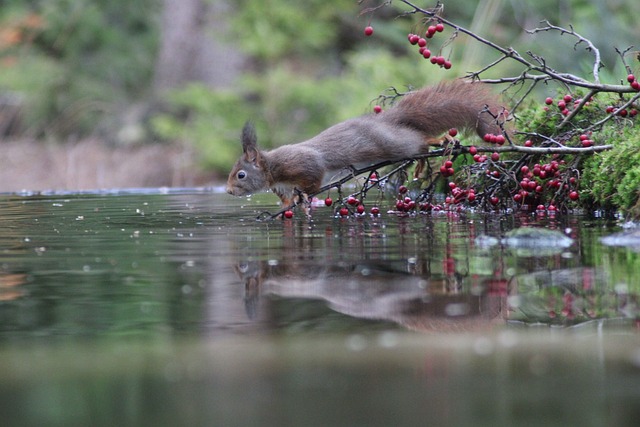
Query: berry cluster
[459,195]
[494,139]
[548,179]
[633,82]
[352,206]
[621,112]
[423,49]
[566,104]
[404,203]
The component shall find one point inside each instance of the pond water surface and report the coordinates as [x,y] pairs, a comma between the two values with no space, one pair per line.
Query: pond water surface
[177,307]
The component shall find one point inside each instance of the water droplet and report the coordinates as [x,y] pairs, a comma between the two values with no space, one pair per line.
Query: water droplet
[483,346]
[356,342]
[456,309]
[388,339]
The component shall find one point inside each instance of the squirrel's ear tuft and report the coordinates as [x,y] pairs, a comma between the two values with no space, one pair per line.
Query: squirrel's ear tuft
[249,142]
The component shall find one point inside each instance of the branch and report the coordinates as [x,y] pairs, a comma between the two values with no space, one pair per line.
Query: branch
[590,46]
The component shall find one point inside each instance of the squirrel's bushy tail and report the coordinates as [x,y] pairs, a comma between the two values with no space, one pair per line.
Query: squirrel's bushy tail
[457,104]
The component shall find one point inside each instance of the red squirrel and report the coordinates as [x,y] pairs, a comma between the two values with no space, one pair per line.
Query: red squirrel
[404,131]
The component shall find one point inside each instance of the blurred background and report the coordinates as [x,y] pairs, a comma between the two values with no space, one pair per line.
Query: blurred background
[148,93]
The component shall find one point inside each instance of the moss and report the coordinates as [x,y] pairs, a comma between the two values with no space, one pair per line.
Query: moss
[611,179]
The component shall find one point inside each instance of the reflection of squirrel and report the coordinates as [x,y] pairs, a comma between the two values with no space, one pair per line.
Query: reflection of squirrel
[404,131]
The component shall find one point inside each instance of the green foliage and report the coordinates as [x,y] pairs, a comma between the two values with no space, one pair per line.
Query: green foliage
[72,61]
[209,120]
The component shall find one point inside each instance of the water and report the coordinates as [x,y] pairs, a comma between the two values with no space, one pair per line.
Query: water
[179,308]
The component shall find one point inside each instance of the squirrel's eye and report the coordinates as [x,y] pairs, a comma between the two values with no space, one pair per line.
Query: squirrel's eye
[242,174]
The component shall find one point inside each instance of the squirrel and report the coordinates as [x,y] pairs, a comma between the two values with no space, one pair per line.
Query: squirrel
[404,131]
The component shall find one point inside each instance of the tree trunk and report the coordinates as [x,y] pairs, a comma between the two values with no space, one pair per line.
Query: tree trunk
[193,45]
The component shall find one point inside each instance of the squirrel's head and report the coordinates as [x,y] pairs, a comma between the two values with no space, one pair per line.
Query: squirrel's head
[247,175]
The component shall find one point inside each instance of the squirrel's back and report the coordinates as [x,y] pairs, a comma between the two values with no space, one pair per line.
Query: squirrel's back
[435,109]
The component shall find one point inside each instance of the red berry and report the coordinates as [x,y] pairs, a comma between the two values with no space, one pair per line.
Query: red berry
[452,185]
[413,39]
[441,60]
[368,30]
[524,169]
[487,137]
[439,27]
[375,210]
[422,42]
[471,197]
[551,208]
[633,111]
[540,208]
[360,209]
[548,101]
[473,150]
[574,195]
[433,60]
[610,109]
[426,53]
[344,211]
[328,201]
[635,85]
[494,200]
[528,143]
[622,113]
[447,65]
[377,109]
[288,214]
[453,132]
[495,156]
[402,189]
[448,164]
[352,201]
[431,31]
[631,78]
[476,158]
[568,98]
[500,139]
